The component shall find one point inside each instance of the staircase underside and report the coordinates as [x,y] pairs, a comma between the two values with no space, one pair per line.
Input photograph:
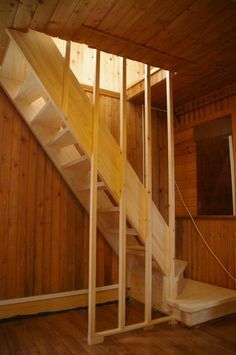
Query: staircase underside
[200,302]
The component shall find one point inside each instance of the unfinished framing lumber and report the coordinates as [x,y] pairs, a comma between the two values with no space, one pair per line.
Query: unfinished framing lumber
[148,185]
[170,248]
[92,337]
[122,215]
[65,90]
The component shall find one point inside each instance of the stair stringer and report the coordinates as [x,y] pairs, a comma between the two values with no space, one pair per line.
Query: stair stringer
[48,65]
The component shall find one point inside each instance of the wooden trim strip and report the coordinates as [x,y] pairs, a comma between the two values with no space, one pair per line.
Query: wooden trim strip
[55,302]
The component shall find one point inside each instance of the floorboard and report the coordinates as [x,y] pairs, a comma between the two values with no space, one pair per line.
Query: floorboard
[66,333]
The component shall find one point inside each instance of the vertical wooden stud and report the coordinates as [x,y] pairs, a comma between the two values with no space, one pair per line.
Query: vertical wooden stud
[92,338]
[65,86]
[148,185]
[122,215]
[170,255]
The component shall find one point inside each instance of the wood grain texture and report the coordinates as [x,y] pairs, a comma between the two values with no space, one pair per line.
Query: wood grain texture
[219,232]
[44,230]
[65,333]
[194,38]
[201,266]
[193,114]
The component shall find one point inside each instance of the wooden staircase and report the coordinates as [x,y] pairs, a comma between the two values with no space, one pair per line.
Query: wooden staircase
[33,75]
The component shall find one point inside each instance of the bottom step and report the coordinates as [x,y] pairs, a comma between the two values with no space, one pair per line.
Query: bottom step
[200,302]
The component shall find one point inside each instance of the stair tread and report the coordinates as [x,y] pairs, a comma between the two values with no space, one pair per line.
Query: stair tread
[100,185]
[197,296]
[75,162]
[109,209]
[48,117]
[30,90]
[62,139]
[129,231]
[137,247]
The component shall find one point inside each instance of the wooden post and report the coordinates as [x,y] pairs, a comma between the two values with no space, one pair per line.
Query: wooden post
[148,185]
[122,215]
[171,292]
[65,86]
[92,338]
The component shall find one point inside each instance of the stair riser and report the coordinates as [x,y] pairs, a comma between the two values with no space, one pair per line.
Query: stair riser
[194,318]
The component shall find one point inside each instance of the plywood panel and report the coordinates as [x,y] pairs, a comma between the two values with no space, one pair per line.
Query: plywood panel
[44,230]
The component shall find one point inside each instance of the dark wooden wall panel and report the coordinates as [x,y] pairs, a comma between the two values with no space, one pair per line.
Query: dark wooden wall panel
[43,228]
[185,147]
[219,232]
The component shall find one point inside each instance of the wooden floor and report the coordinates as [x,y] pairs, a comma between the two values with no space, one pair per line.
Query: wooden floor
[65,333]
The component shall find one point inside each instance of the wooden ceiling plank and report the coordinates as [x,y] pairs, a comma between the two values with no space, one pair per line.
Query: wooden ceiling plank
[177,44]
[24,14]
[8,10]
[224,20]
[159,17]
[123,15]
[218,43]
[101,10]
[79,15]
[140,27]
[188,22]
[60,16]
[43,14]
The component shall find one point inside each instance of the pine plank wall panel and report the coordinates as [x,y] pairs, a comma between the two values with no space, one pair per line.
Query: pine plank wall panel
[220,232]
[43,228]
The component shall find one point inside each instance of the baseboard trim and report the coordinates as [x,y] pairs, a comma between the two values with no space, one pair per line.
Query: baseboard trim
[55,302]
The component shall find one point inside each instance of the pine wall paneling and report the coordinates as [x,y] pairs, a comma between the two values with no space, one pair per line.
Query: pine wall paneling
[220,232]
[221,236]
[43,228]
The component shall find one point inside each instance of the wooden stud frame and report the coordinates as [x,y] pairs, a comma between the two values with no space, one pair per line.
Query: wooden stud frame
[148,186]
[65,90]
[170,247]
[92,338]
[98,337]
[122,215]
